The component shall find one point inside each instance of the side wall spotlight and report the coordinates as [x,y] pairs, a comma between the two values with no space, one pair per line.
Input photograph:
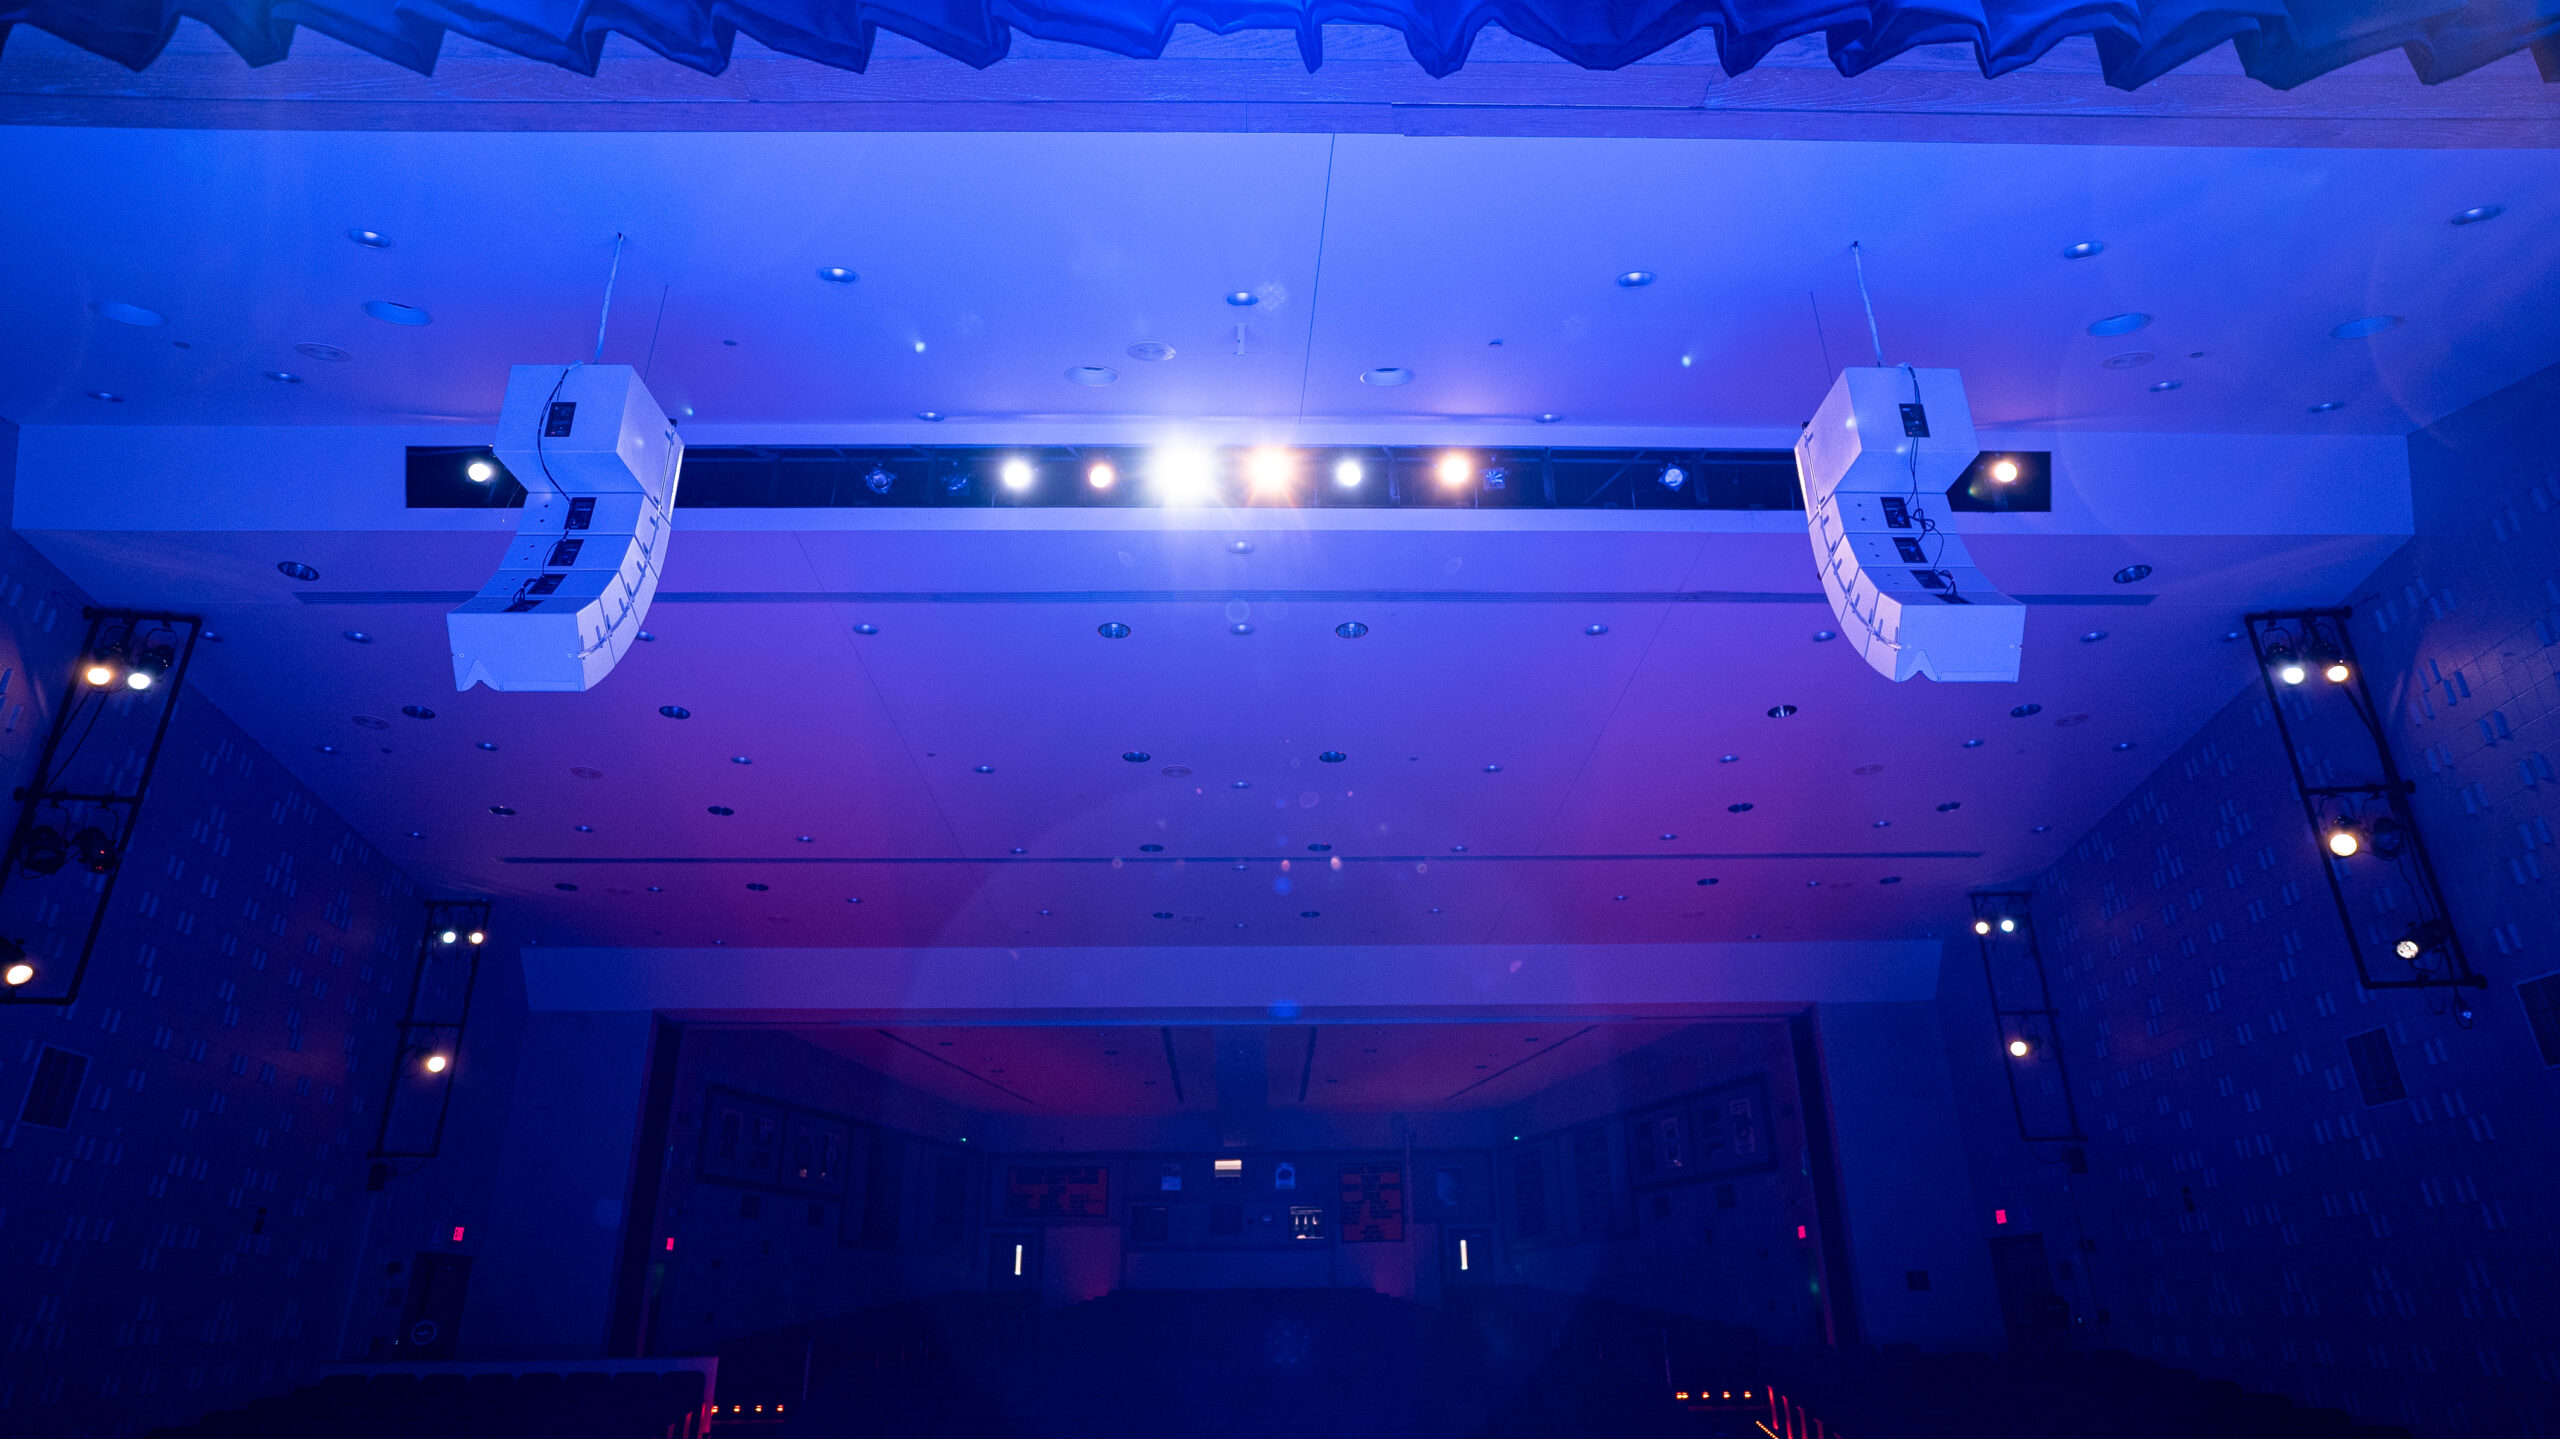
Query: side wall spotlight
[97,852]
[46,852]
[2286,662]
[2021,1047]
[2343,839]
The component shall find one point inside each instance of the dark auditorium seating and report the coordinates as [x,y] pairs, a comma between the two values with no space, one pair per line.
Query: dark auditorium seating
[1493,1363]
[580,1404]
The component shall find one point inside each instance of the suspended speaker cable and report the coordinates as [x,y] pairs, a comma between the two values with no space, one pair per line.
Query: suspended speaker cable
[1857,257]
[607,312]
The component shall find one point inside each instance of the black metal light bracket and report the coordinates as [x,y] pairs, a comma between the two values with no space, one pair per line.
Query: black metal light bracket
[418,1098]
[2427,953]
[154,641]
[2004,927]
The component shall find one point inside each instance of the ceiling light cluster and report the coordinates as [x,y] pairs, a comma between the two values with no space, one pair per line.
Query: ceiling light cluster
[2318,650]
[132,656]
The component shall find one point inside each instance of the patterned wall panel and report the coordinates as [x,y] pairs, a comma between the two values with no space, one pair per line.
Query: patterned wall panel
[188,1236]
[2294,1182]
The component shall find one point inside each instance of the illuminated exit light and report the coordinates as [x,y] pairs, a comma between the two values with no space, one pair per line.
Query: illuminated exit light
[1017,1261]
[1462,1254]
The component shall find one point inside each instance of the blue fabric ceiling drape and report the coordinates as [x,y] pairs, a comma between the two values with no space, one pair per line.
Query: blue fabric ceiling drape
[2281,42]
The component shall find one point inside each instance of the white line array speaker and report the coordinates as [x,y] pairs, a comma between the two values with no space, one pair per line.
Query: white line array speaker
[1875,462]
[598,461]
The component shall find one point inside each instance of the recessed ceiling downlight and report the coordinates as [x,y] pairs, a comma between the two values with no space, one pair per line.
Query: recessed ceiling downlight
[284,377]
[1151,351]
[2130,359]
[930,417]
[2132,574]
[108,396]
[2478,213]
[2084,250]
[1096,375]
[330,353]
[1549,418]
[2165,386]
[296,570]
[1112,630]
[1242,298]
[1635,279]
[2368,325]
[675,711]
[370,239]
[390,313]
[1387,376]
[837,275]
[2325,406]
[2124,324]
[1351,629]
[124,314]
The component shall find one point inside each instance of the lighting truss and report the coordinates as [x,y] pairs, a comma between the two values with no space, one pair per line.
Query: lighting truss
[50,800]
[2384,796]
[2014,952]
[418,1098]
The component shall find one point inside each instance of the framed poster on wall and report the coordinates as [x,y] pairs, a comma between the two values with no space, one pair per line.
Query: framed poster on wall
[1731,1127]
[816,1153]
[742,1138]
[1057,1191]
[1373,1202]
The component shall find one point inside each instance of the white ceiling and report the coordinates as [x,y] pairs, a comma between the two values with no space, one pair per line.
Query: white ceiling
[1010,257]
[1145,1070]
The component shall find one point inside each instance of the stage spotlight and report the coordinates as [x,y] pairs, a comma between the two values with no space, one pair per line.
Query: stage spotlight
[1673,477]
[97,852]
[18,975]
[1982,926]
[148,666]
[2343,840]
[1455,469]
[2004,472]
[1100,475]
[2324,656]
[1271,470]
[2419,939]
[2008,925]
[108,660]
[46,851]
[1348,474]
[1184,476]
[2288,666]
[2021,1047]
[436,1063]
[481,472]
[2386,837]
[477,937]
[1017,475]
[447,937]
